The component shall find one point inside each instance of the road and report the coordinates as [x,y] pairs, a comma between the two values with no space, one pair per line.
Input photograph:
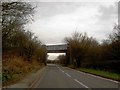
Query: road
[55,76]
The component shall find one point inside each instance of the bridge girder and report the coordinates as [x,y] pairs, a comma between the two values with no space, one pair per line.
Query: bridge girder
[56,48]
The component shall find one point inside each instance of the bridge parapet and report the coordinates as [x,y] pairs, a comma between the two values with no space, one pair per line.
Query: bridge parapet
[56,48]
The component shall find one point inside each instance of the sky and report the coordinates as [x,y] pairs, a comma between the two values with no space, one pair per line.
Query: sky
[53,21]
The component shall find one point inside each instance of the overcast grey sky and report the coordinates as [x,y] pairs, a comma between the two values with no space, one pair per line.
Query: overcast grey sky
[53,21]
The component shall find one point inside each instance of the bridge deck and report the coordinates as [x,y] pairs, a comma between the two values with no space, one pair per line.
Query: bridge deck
[56,48]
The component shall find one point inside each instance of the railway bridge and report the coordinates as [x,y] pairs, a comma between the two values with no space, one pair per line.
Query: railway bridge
[57,48]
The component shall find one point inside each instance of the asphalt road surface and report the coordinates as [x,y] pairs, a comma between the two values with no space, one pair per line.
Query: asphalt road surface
[55,76]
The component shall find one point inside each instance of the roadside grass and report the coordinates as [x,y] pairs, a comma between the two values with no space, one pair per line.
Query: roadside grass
[15,68]
[0,76]
[105,74]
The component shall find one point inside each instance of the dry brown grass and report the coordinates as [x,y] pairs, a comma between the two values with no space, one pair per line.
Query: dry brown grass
[15,68]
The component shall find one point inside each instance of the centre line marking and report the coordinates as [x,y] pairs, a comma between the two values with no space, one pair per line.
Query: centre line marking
[82,84]
[67,74]
[62,71]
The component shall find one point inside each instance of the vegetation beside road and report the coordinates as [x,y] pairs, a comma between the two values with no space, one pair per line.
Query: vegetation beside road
[87,52]
[106,74]
[98,72]
[0,76]
[15,69]
[22,51]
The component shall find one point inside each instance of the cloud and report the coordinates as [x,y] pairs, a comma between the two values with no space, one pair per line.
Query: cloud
[53,56]
[108,16]
[61,19]
[55,20]
[56,27]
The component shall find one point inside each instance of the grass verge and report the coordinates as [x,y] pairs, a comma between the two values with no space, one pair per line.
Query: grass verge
[15,69]
[105,74]
[0,76]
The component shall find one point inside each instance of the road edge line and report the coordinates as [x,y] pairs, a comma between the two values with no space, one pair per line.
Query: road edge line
[96,76]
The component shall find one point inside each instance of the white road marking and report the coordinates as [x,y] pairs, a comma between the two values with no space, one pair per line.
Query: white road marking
[82,84]
[62,71]
[67,74]
[58,67]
